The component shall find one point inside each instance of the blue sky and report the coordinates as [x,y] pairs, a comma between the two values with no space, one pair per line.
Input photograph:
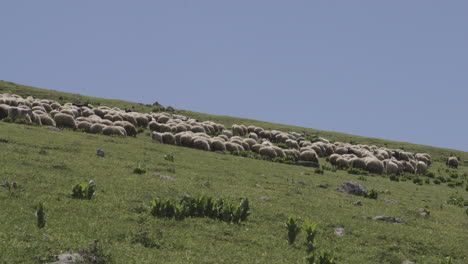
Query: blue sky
[388,69]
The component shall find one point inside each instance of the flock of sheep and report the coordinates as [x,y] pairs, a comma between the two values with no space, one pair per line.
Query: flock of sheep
[209,136]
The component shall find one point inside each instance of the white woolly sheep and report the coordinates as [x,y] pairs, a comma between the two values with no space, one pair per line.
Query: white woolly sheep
[97,128]
[452,162]
[64,120]
[268,152]
[86,126]
[309,155]
[253,136]
[342,163]
[163,119]
[218,145]
[46,120]
[168,138]
[421,167]
[4,111]
[113,131]
[391,167]
[357,163]
[374,165]
[202,144]
[279,152]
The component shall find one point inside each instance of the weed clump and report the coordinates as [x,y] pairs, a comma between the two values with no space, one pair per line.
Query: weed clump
[40,215]
[201,206]
[84,190]
[139,170]
[372,194]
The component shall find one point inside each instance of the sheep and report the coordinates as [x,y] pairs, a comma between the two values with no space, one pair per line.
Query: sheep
[292,143]
[256,148]
[168,138]
[16,113]
[227,133]
[47,120]
[374,165]
[96,128]
[342,163]
[332,159]
[4,111]
[268,152]
[408,167]
[186,140]
[55,105]
[129,128]
[309,155]
[250,142]
[198,129]
[218,145]
[237,130]
[106,122]
[424,158]
[391,167]
[131,119]
[180,128]
[293,153]
[341,150]
[68,112]
[200,143]
[64,120]
[163,119]
[253,136]
[279,152]
[357,163]
[113,131]
[421,167]
[157,136]
[142,121]
[86,126]
[452,162]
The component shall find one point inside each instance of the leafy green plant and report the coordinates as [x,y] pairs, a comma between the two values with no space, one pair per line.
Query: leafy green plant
[40,215]
[457,200]
[139,170]
[144,239]
[319,170]
[84,190]
[169,157]
[372,194]
[95,254]
[325,257]
[394,177]
[447,260]
[293,229]
[357,171]
[310,231]
[418,181]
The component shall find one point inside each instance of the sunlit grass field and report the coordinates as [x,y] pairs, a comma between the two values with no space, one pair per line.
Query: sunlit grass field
[46,165]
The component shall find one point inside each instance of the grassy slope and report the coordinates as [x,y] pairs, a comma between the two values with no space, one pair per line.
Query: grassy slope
[118,211]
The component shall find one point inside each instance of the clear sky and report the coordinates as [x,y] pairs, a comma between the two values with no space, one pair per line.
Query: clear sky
[388,69]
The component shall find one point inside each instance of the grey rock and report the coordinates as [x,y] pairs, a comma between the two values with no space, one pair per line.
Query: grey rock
[164,177]
[324,186]
[56,129]
[422,212]
[100,153]
[339,231]
[389,200]
[68,258]
[264,199]
[353,188]
[389,219]
[259,186]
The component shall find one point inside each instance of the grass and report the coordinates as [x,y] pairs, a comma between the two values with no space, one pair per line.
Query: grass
[46,164]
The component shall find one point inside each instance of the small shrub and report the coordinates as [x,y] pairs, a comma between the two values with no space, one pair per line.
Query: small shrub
[430,174]
[169,157]
[394,177]
[457,200]
[357,171]
[95,254]
[427,181]
[84,190]
[436,181]
[293,229]
[372,194]
[310,231]
[362,178]
[454,175]
[144,239]
[319,170]
[139,170]
[286,160]
[329,168]
[140,130]
[447,260]
[441,179]
[418,181]
[40,215]
[7,120]
[282,145]
[325,257]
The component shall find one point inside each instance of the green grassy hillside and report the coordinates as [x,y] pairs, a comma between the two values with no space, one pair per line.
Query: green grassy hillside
[46,164]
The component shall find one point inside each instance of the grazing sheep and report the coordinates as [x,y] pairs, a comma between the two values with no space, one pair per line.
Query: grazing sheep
[96,128]
[202,144]
[408,167]
[55,106]
[256,148]
[357,163]
[157,136]
[452,162]
[218,145]
[332,159]
[198,129]
[253,136]
[421,168]
[4,111]
[309,155]
[46,120]
[64,120]
[113,131]
[154,126]
[374,165]
[106,122]
[293,153]
[250,141]
[279,152]
[227,133]
[268,152]
[292,143]
[186,140]
[142,121]
[391,167]
[341,150]
[85,126]
[16,113]
[342,163]
[237,130]
[168,138]
[163,119]
[129,128]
